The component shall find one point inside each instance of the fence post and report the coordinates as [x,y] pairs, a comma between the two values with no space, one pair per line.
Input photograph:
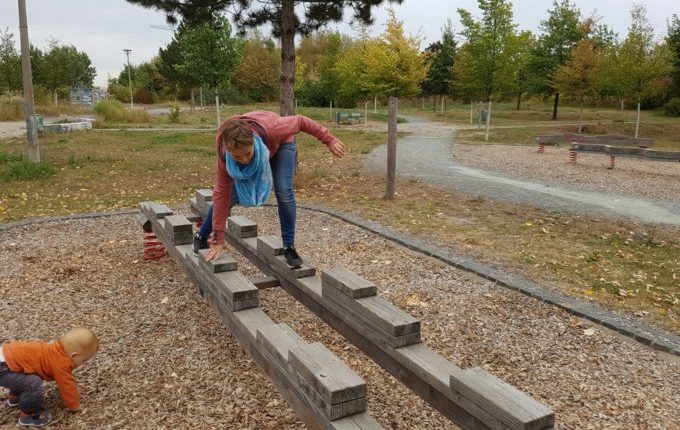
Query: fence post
[366,114]
[391,146]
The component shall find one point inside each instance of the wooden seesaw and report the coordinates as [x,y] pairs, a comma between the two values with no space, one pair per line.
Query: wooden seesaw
[323,391]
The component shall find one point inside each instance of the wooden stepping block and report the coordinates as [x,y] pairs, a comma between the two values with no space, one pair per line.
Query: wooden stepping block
[348,283]
[239,293]
[389,318]
[241,227]
[277,340]
[144,222]
[225,263]
[204,197]
[179,229]
[158,210]
[501,400]
[330,382]
[272,248]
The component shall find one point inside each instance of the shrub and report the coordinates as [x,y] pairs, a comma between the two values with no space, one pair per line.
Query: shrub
[114,111]
[111,110]
[15,168]
[672,108]
[144,96]
[173,115]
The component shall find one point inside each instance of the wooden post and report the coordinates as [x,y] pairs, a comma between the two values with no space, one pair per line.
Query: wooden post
[637,122]
[488,122]
[471,111]
[33,149]
[366,114]
[391,146]
[375,104]
[330,109]
[217,107]
[442,97]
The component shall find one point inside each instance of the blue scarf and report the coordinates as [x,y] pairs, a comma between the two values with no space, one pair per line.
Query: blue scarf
[253,181]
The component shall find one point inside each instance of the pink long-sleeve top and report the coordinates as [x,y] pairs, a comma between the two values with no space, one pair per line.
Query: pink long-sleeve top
[274,130]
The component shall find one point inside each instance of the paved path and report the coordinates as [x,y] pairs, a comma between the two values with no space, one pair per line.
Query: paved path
[425,155]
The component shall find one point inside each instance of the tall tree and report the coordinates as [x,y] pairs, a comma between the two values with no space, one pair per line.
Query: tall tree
[673,41]
[577,77]
[282,17]
[441,57]
[484,65]
[256,76]
[63,66]
[10,64]
[523,45]
[643,60]
[209,54]
[559,34]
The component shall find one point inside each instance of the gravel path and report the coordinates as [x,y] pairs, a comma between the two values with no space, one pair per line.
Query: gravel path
[12,129]
[167,362]
[638,189]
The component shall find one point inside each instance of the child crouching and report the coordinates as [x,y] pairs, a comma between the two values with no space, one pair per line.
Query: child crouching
[24,366]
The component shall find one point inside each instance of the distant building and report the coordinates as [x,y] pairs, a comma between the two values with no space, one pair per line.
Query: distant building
[87,96]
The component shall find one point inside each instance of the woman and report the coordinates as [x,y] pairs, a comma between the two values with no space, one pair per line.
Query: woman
[244,177]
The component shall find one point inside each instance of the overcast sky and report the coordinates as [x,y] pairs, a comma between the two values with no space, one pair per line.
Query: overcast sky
[104,28]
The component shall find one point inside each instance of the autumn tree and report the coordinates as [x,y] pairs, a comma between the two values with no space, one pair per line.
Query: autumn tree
[642,60]
[440,57]
[577,77]
[63,66]
[673,41]
[257,76]
[281,15]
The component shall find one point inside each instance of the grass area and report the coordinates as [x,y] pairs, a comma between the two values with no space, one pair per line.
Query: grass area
[623,265]
[12,109]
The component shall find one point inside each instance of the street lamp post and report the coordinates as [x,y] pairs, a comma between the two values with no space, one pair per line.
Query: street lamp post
[127,52]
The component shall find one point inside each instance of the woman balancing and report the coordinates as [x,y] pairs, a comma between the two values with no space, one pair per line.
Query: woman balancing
[255,151]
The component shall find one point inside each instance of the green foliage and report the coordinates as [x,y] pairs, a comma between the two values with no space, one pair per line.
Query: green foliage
[257,76]
[441,55]
[16,168]
[114,111]
[63,66]
[672,108]
[173,115]
[673,41]
[144,96]
[10,64]
[484,65]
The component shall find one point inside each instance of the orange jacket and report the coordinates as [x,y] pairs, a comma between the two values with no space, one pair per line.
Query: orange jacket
[47,360]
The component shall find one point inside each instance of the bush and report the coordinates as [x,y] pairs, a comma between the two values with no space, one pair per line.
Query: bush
[173,115]
[144,96]
[114,111]
[672,108]
[16,168]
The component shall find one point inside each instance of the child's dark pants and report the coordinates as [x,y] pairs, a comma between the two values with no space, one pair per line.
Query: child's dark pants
[27,386]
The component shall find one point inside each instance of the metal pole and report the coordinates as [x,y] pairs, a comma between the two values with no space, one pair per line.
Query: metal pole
[391,146]
[127,52]
[488,122]
[33,149]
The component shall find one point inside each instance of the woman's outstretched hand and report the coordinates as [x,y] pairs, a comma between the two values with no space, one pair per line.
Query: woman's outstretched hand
[216,251]
[337,148]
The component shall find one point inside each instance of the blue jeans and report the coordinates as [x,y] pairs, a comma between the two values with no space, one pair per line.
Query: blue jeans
[283,169]
[27,386]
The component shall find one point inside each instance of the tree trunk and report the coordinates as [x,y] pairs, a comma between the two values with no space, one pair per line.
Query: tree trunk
[557,100]
[637,122]
[519,98]
[442,98]
[287,58]
[580,117]
[193,98]
[200,92]
[488,122]
[375,104]
[217,108]
[56,99]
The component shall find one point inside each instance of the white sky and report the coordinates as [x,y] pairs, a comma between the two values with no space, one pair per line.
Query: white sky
[104,28]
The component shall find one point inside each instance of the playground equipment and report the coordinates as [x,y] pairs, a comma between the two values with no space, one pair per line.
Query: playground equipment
[323,391]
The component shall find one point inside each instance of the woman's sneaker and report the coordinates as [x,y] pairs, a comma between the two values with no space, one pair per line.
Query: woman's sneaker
[36,419]
[292,257]
[12,400]
[200,242]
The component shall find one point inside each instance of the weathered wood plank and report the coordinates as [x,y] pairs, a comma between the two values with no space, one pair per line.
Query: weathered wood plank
[511,406]
[241,227]
[264,282]
[348,283]
[270,245]
[378,310]
[330,377]
[226,263]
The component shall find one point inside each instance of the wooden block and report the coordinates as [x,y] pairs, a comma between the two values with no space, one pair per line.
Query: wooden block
[326,373]
[144,222]
[269,245]
[509,405]
[204,196]
[225,263]
[250,320]
[234,286]
[361,421]
[278,341]
[348,283]
[180,229]
[332,412]
[336,303]
[378,310]
[183,250]
[241,227]
[159,211]
[263,282]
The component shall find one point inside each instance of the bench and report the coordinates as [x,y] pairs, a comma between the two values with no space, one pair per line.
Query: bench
[348,117]
[601,140]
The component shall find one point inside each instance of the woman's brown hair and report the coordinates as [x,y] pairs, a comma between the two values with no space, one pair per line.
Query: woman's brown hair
[236,133]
